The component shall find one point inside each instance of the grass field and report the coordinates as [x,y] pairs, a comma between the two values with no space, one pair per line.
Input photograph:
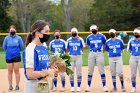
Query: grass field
[85,57]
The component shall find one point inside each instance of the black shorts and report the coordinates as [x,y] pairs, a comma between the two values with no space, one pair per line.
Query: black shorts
[14,60]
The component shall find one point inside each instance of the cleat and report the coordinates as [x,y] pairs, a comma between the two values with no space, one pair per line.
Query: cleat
[133,90]
[114,90]
[105,89]
[72,89]
[78,89]
[87,88]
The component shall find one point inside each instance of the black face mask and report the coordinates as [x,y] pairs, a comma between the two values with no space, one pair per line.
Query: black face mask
[94,31]
[74,34]
[112,35]
[45,38]
[57,36]
[12,33]
[136,36]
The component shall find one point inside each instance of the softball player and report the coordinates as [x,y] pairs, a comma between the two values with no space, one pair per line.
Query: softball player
[56,46]
[35,57]
[95,42]
[75,45]
[114,47]
[134,49]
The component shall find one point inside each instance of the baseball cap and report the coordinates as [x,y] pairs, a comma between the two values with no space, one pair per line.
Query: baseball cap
[136,30]
[93,27]
[112,30]
[74,30]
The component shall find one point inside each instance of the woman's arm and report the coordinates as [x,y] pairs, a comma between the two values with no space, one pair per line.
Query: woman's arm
[5,43]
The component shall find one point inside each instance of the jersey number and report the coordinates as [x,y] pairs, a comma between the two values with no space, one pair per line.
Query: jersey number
[75,48]
[114,50]
[96,45]
[57,49]
[136,49]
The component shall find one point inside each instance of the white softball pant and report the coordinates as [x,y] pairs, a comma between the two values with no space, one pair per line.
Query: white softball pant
[95,58]
[31,87]
[77,63]
[134,64]
[116,66]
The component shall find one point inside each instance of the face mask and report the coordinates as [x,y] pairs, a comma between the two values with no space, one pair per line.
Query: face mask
[136,36]
[74,34]
[112,35]
[45,38]
[12,33]
[94,31]
[57,36]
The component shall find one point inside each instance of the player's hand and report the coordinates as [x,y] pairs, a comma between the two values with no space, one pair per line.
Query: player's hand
[55,70]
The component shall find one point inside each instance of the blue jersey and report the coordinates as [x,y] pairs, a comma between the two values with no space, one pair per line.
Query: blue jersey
[134,47]
[12,45]
[75,45]
[35,57]
[114,47]
[96,42]
[57,45]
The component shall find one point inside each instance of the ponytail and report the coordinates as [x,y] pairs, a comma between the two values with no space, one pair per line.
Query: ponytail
[29,39]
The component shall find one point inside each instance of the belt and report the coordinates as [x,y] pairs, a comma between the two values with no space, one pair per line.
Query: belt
[114,56]
[95,51]
[135,55]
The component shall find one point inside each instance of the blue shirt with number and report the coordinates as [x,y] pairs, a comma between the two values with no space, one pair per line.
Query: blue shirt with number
[35,57]
[96,42]
[114,47]
[134,47]
[56,46]
[75,45]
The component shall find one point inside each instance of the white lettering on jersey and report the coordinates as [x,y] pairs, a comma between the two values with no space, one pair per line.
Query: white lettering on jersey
[43,57]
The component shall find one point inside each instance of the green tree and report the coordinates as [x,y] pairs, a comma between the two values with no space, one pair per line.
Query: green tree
[111,14]
[5,20]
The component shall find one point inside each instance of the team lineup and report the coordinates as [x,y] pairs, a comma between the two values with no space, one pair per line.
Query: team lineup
[36,58]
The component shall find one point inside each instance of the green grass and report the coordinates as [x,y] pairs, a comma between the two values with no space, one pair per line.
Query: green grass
[125,55]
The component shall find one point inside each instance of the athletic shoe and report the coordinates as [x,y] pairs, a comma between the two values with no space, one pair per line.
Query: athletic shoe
[114,90]
[62,89]
[105,89]
[78,89]
[123,89]
[54,89]
[10,88]
[87,88]
[72,89]
[133,90]
[17,87]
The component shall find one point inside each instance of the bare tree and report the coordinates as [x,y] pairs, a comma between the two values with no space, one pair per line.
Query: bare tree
[23,14]
[66,10]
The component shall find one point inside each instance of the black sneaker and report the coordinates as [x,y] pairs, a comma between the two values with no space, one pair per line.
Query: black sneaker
[10,88]
[17,87]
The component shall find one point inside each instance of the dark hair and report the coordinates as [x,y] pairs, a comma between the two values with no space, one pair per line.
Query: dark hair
[36,27]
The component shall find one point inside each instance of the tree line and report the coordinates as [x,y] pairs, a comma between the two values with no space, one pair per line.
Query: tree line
[118,14]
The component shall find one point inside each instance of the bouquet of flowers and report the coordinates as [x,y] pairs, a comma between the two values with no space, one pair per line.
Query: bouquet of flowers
[62,62]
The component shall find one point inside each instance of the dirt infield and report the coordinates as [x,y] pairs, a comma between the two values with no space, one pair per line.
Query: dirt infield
[96,83]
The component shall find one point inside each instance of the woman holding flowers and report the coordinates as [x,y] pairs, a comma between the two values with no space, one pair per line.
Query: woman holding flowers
[35,57]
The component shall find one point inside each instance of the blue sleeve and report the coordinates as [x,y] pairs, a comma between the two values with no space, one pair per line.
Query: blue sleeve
[21,43]
[64,47]
[81,45]
[103,39]
[5,43]
[122,45]
[87,41]
[50,46]
[68,45]
[106,47]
